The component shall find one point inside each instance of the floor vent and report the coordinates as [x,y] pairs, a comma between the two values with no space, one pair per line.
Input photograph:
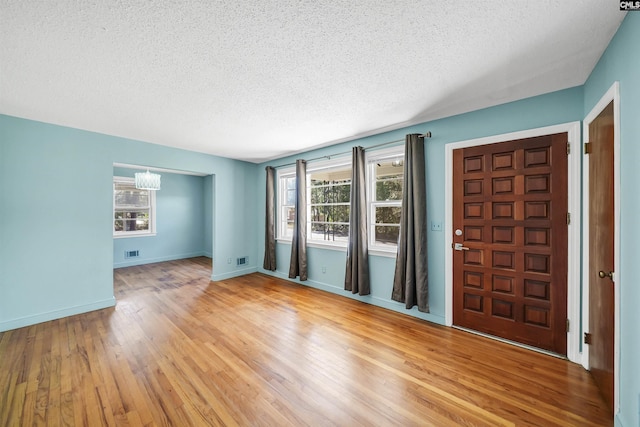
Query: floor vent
[131,254]
[242,261]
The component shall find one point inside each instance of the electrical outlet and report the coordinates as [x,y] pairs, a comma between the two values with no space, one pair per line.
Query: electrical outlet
[436,226]
[324,269]
[228,260]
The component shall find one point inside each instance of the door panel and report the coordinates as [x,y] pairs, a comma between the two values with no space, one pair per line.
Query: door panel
[601,252]
[510,205]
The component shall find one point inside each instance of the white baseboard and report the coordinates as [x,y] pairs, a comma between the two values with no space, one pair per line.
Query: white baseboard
[55,314]
[367,299]
[142,261]
[231,274]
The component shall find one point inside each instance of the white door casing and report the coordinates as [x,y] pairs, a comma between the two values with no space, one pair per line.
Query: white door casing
[573,245]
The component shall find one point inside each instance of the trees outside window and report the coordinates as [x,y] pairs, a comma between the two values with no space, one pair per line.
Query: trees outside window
[328,200]
[329,204]
[328,193]
[385,169]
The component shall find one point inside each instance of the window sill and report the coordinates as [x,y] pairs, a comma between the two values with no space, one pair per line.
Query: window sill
[315,244]
[126,236]
[374,252]
[383,253]
[331,247]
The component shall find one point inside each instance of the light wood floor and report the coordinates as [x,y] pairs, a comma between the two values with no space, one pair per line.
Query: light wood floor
[181,350]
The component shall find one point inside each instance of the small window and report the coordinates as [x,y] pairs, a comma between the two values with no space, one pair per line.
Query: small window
[133,209]
[385,170]
[286,203]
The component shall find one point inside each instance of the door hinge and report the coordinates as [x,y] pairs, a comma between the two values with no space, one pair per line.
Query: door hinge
[568,148]
[567,326]
[568,218]
[587,148]
[588,338]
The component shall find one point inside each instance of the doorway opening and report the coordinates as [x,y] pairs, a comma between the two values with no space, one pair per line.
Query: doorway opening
[183,212]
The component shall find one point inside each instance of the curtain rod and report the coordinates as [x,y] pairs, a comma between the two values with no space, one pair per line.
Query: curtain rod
[329,156]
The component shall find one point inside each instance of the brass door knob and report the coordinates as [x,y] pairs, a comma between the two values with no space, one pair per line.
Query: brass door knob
[602,274]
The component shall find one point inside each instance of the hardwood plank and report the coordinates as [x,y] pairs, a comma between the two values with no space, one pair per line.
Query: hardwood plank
[16,414]
[8,394]
[180,350]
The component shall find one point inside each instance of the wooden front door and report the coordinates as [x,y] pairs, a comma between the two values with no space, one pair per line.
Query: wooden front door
[510,229]
[601,252]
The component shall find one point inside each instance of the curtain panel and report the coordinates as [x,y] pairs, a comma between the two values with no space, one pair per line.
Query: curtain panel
[269,262]
[410,278]
[298,265]
[357,273]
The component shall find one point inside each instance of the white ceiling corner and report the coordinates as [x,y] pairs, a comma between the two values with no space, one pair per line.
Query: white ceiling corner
[256,80]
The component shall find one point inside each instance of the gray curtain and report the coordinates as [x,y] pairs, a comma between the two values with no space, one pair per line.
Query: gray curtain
[357,275]
[269,262]
[298,265]
[410,279]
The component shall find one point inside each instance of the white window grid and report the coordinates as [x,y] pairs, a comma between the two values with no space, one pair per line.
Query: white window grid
[328,237]
[286,200]
[396,156]
[150,208]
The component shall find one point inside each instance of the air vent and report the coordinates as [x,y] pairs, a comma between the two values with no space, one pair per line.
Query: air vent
[242,261]
[131,254]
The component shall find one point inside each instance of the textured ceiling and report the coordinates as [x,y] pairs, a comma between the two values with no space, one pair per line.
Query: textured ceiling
[257,80]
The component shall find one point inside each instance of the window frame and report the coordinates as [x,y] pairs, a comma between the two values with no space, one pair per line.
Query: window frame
[282,174]
[152,211]
[338,163]
[371,159]
[290,172]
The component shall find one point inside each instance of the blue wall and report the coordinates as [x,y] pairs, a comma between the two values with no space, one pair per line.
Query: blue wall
[183,222]
[56,251]
[621,62]
[545,110]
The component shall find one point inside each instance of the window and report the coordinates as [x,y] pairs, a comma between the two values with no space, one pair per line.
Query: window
[133,209]
[328,193]
[328,200]
[329,186]
[385,169]
[286,202]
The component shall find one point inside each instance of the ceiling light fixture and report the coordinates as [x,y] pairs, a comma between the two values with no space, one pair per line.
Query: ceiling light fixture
[147,181]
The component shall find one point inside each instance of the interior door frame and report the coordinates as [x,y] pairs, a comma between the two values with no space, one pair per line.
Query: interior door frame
[612,95]
[573,230]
